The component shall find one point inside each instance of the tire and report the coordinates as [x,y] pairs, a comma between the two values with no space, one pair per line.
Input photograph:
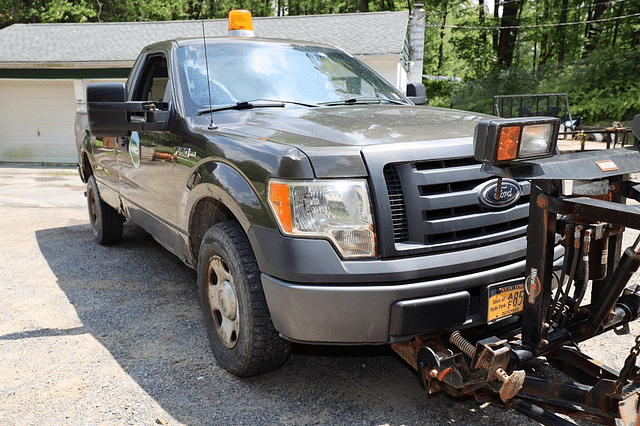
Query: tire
[236,316]
[106,222]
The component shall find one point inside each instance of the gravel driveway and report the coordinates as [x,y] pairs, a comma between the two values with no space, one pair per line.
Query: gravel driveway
[93,335]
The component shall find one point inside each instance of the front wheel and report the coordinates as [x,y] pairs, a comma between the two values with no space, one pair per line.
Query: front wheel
[106,222]
[236,316]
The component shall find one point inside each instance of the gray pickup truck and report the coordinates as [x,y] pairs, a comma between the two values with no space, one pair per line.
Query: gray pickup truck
[317,203]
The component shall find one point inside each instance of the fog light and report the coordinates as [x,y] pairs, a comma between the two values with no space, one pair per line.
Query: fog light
[504,140]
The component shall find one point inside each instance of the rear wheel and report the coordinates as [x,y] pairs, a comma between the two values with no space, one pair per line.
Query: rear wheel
[238,323]
[106,222]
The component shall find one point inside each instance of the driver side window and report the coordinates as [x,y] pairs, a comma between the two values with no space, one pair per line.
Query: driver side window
[154,82]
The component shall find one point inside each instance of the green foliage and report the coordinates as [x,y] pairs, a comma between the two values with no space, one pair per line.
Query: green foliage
[14,11]
[474,51]
[477,95]
[596,62]
[604,87]
[32,11]
[317,7]
[161,10]
[439,92]
[67,11]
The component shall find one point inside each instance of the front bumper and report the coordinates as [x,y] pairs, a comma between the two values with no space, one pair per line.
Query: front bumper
[374,314]
[314,296]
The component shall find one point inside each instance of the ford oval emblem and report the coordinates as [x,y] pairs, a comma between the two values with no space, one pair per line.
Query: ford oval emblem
[510,192]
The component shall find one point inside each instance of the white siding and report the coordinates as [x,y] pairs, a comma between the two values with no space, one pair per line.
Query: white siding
[37,121]
[390,68]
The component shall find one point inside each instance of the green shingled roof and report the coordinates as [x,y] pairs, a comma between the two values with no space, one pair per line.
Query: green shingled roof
[118,44]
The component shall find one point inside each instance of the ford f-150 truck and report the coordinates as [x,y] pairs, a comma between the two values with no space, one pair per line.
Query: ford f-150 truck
[315,200]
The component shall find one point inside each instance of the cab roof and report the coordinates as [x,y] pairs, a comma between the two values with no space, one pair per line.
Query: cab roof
[187,41]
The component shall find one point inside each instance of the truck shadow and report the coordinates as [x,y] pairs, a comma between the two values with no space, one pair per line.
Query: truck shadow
[140,302]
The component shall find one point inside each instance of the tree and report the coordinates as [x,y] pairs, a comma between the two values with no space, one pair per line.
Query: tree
[68,11]
[472,46]
[445,12]
[592,31]
[508,31]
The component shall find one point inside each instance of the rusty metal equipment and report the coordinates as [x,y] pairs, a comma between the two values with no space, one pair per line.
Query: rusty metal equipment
[560,308]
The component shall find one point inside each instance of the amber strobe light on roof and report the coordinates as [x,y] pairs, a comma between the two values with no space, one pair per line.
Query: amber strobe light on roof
[503,140]
[240,23]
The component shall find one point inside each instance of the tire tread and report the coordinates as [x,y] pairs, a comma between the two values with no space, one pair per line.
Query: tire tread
[268,351]
[108,228]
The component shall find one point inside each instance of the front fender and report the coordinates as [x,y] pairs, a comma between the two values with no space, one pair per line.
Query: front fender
[221,182]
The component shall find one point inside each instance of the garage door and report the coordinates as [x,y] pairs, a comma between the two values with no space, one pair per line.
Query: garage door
[36,121]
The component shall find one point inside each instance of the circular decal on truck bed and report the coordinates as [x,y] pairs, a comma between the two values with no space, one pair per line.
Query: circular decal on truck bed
[134,149]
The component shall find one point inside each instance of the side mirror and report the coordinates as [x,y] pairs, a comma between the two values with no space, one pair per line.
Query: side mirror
[107,122]
[417,93]
[109,112]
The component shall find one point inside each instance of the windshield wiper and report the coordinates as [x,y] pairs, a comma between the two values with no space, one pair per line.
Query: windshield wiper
[306,104]
[362,101]
[254,103]
[241,105]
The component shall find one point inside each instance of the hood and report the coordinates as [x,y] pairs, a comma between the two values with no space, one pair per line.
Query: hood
[354,125]
[326,133]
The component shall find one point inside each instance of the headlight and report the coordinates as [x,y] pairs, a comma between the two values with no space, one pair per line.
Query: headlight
[536,140]
[337,210]
[501,141]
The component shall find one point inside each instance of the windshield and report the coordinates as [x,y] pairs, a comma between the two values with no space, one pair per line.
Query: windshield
[247,71]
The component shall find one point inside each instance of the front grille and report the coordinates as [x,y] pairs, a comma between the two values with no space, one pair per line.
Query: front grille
[396,201]
[435,207]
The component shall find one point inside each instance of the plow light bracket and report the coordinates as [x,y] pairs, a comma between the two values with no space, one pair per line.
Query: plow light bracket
[502,141]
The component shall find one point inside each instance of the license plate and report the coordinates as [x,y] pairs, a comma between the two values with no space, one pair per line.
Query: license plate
[504,300]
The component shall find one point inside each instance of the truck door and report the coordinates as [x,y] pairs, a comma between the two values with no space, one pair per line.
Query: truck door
[145,159]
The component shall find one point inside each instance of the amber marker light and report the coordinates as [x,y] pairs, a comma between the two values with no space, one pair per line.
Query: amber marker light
[240,23]
[508,143]
[501,141]
[281,204]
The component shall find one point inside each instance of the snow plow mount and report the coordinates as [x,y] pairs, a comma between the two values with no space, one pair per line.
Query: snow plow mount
[589,296]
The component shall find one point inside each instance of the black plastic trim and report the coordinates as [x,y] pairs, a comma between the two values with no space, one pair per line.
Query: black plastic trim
[411,317]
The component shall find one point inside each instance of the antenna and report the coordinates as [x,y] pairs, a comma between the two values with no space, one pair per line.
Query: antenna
[212,126]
